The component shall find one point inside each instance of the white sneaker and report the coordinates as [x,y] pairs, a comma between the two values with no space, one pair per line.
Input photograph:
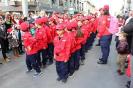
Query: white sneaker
[37,74]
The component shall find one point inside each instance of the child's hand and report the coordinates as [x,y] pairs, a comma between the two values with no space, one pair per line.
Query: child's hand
[29,48]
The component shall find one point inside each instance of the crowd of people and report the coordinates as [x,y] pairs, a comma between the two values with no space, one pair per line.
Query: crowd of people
[65,39]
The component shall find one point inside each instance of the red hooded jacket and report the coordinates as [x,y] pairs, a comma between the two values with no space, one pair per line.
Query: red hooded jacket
[30,43]
[62,48]
[41,38]
[103,25]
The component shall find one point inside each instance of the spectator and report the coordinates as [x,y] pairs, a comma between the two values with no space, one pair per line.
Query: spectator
[3,38]
[104,35]
[13,41]
[128,28]
[123,52]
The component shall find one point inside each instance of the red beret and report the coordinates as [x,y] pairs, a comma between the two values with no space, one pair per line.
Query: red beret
[39,21]
[24,26]
[51,19]
[9,30]
[74,24]
[44,19]
[106,7]
[89,17]
[32,25]
[69,26]
[59,27]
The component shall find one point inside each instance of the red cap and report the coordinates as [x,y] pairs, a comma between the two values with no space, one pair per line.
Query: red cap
[69,26]
[74,24]
[32,25]
[39,21]
[24,26]
[9,30]
[89,17]
[106,7]
[59,27]
[51,19]
[44,19]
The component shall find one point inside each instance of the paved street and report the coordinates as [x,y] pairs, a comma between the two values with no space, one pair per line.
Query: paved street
[90,75]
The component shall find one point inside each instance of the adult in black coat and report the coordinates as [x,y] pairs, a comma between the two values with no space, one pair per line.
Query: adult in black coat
[3,39]
[128,28]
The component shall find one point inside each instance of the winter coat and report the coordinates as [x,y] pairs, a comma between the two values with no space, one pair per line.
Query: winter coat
[128,28]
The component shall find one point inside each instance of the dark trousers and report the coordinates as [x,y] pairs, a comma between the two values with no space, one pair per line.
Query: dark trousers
[82,52]
[20,49]
[42,54]
[71,67]
[77,59]
[31,62]
[62,69]
[3,48]
[105,42]
[117,41]
[93,36]
[7,45]
[50,51]
[90,41]
[88,44]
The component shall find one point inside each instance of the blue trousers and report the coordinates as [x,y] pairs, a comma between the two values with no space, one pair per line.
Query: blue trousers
[31,62]
[88,44]
[71,67]
[62,69]
[82,52]
[77,59]
[50,51]
[42,53]
[105,42]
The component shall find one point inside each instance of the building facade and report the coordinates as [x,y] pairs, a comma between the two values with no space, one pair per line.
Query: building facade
[24,6]
[88,7]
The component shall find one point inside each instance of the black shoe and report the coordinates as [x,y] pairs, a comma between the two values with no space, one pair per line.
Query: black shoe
[64,80]
[1,63]
[101,62]
[100,59]
[86,51]
[97,44]
[128,84]
[58,79]
[21,53]
[71,74]
[77,68]
[82,62]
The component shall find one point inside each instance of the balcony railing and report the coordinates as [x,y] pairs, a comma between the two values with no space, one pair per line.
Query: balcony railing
[32,3]
[15,3]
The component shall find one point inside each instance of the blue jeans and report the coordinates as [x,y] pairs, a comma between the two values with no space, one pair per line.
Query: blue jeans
[31,62]
[105,42]
[77,59]
[42,53]
[62,69]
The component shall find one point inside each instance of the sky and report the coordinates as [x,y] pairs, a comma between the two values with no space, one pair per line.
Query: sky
[115,5]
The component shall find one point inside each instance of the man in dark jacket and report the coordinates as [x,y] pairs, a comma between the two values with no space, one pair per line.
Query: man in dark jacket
[128,28]
[3,40]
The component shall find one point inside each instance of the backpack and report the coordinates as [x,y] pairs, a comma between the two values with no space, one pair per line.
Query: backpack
[122,47]
[113,28]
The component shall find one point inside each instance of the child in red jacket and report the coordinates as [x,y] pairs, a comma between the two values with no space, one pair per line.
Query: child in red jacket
[62,47]
[31,49]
